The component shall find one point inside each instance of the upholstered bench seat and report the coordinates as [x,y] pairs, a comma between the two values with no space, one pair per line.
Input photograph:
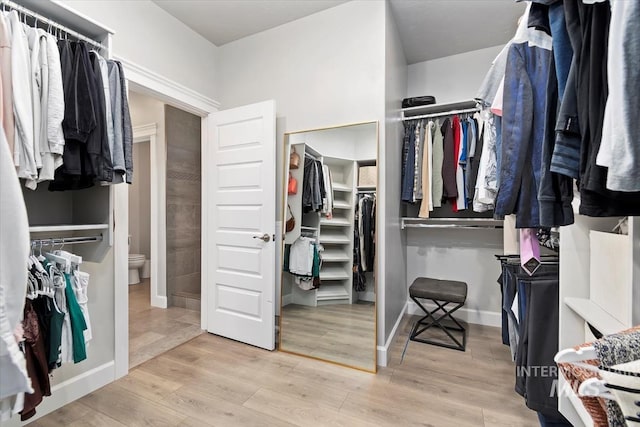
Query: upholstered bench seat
[441,293]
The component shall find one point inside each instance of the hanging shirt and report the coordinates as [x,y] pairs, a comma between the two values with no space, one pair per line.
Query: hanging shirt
[408,163]
[127,133]
[24,154]
[473,165]
[6,90]
[52,112]
[301,257]
[486,183]
[38,69]
[417,181]
[427,201]
[327,200]
[14,246]
[449,161]
[78,324]
[117,153]
[460,203]
[437,158]
[619,149]
[80,288]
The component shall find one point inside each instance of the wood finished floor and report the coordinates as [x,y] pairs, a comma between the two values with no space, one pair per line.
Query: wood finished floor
[152,330]
[212,381]
[342,333]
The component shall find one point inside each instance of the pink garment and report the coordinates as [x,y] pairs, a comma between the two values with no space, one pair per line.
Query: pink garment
[529,250]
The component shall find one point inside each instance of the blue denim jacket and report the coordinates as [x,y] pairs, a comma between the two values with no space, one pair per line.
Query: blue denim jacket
[523,122]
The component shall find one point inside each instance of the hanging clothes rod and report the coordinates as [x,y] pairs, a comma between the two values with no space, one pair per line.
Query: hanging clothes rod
[49,22]
[459,223]
[443,113]
[65,240]
[311,156]
[366,191]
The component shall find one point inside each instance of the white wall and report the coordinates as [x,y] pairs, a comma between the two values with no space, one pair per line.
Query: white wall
[394,270]
[453,78]
[440,253]
[140,202]
[148,36]
[463,255]
[146,110]
[356,142]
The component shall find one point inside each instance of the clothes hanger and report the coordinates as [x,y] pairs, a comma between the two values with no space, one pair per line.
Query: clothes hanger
[74,259]
[571,355]
[31,287]
[65,263]
[595,387]
[577,357]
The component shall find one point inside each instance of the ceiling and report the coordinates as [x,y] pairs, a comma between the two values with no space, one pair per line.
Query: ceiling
[429,29]
[223,21]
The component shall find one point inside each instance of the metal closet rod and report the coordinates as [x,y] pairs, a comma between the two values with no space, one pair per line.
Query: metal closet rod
[458,226]
[48,21]
[65,240]
[443,113]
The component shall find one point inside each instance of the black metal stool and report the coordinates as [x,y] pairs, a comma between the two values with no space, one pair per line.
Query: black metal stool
[442,293]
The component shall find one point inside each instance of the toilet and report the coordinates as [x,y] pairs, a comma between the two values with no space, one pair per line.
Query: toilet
[136,261]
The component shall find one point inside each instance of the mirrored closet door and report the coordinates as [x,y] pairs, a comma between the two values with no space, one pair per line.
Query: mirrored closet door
[328,293]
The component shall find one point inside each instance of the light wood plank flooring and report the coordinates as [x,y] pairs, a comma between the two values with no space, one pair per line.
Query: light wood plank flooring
[342,333]
[152,330]
[212,381]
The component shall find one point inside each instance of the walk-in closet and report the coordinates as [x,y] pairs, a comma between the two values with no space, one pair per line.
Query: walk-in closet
[345,212]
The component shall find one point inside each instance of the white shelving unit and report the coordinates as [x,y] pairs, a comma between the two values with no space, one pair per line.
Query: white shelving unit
[599,286]
[68,227]
[336,236]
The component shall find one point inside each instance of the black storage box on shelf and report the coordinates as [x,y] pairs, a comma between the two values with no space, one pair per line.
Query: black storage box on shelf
[418,101]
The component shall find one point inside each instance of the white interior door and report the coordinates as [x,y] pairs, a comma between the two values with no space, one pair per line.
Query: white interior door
[242,203]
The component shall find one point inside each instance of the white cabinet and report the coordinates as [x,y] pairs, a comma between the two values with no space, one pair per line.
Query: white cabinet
[599,275]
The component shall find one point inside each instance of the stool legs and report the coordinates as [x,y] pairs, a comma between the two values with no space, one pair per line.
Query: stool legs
[429,320]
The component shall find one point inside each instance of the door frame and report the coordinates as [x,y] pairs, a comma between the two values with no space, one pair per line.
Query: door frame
[147,82]
[158,235]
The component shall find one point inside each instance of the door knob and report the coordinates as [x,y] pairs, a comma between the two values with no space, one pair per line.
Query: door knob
[265,237]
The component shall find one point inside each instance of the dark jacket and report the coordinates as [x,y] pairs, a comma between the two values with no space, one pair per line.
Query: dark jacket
[98,144]
[556,190]
[408,162]
[449,163]
[127,131]
[77,171]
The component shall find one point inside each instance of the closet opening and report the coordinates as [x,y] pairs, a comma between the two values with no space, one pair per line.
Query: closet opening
[164,266]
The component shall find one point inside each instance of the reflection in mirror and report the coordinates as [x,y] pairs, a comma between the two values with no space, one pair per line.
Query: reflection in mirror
[328,285]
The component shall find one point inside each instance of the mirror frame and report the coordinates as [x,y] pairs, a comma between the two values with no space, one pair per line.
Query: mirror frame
[284,179]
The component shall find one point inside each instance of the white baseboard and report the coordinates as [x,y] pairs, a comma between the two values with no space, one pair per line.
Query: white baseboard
[477,317]
[287,299]
[159,301]
[69,391]
[384,350]
[369,296]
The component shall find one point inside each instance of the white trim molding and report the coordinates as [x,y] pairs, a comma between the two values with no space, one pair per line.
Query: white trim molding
[151,83]
[144,132]
[477,317]
[158,244]
[383,351]
[68,391]
[148,82]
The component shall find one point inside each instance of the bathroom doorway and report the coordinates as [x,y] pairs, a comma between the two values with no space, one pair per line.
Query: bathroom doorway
[164,299]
